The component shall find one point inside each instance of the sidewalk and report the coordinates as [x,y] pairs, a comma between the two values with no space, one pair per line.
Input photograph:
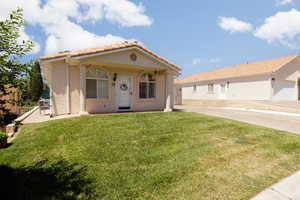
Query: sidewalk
[286,189]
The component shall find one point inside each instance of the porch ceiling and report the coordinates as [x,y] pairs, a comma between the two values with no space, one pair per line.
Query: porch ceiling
[124,66]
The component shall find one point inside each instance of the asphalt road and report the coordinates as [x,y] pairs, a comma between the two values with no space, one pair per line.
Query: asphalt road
[275,121]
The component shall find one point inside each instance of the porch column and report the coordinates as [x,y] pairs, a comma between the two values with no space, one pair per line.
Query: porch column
[52,108]
[51,99]
[68,88]
[82,89]
[169,92]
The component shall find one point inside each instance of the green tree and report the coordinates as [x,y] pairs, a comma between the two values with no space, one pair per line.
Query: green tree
[11,51]
[36,82]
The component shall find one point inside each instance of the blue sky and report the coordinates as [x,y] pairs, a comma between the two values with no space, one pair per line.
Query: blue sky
[197,35]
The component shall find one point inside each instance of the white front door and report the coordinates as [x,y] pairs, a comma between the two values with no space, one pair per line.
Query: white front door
[124,92]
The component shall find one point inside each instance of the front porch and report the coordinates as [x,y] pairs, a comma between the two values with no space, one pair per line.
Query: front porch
[125,89]
[127,79]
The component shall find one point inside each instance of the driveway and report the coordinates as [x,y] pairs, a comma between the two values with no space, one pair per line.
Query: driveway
[275,121]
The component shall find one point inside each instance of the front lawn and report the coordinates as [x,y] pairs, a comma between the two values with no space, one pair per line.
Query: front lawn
[146,156]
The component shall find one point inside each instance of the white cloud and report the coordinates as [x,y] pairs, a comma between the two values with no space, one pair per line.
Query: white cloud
[283,27]
[196,61]
[233,25]
[123,12]
[215,60]
[284,2]
[61,20]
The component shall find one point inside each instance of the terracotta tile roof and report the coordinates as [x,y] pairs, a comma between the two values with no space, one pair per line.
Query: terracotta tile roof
[117,46]
[249,69]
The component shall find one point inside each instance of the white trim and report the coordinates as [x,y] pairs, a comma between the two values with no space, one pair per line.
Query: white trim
[139,81]
[53,59]
[97,82]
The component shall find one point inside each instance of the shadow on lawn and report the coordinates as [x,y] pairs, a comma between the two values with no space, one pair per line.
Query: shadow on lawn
[59,180]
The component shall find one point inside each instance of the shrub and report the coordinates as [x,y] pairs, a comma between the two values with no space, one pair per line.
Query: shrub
[3,139]
[3,136]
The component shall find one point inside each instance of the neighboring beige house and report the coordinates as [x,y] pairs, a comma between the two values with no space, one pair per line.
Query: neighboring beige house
[276,79]
[120,77]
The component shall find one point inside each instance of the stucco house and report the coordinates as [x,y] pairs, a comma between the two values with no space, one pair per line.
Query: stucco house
[275,79]
[120,77]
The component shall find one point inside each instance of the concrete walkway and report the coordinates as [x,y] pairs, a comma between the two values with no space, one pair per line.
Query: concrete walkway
[44,116]
[275,121]
[280,106]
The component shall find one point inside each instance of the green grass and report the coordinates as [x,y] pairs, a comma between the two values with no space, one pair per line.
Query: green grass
[147,156]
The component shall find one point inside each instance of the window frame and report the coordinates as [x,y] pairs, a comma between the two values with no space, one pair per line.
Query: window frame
[210,88]
[148,82]
[98,79]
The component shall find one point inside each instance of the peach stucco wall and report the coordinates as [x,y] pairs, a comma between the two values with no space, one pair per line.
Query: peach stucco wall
[123,58]
[119,63]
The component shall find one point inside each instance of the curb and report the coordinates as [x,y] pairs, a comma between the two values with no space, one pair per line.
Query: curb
[11,128]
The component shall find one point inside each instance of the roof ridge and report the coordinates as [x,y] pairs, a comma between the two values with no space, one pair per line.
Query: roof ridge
[253,62]
[92,48]
[246,69]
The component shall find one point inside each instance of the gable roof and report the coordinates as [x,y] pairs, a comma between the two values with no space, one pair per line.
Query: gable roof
[249,69]
[108,48]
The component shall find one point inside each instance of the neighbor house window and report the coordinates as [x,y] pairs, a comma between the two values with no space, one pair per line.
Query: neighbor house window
[194,88]
[96,83]
[147,86]
[210,88]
